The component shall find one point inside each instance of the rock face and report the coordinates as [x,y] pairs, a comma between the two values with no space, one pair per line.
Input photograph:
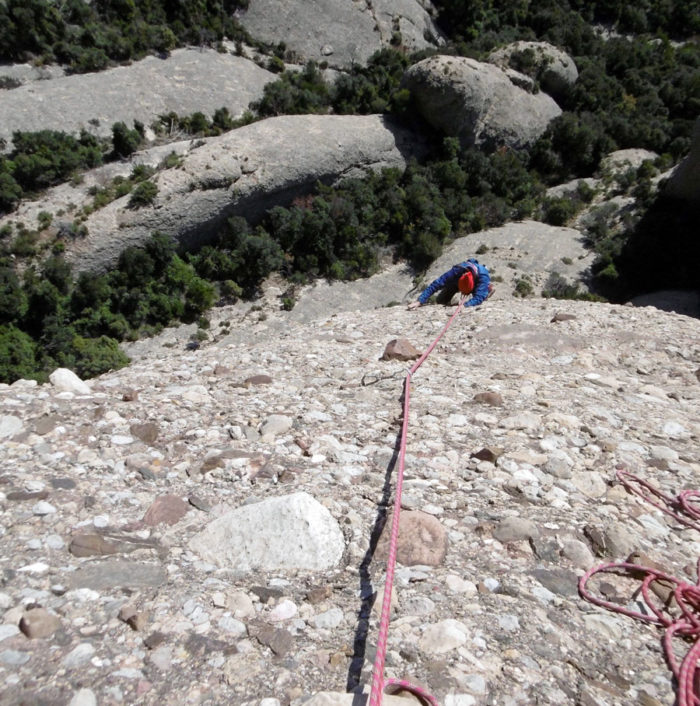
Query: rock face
[620,161]
[339,32]
[553,68]
[526,249]
[685,180]
[189,80]
[477,102]
[243,172]
[601,386]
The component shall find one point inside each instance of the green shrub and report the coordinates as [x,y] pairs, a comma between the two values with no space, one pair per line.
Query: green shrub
[558,211]
[13,300]
[228,289]
[124,140]
[171,161]
[25,244]
[523,287]
[47,157]
[143,195]
[10,192]
[44,219]
[17,354]
[94,356]
[556,287]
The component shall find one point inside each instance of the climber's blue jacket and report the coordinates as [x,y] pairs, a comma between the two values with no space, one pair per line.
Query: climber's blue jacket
[451,277]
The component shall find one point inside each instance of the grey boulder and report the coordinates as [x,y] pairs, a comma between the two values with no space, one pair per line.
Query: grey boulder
[478,103]
[553,68]
[339,32]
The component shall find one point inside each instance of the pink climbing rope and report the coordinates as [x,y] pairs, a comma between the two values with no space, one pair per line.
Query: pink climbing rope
[685,625]
[686,621]
[379,683]
[682,504]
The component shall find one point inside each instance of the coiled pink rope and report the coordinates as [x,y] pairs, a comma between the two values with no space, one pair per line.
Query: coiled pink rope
[379,683]
[682,504]
[686,623]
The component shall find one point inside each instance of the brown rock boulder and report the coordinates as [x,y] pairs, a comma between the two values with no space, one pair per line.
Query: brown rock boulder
[422,539]
[400,349]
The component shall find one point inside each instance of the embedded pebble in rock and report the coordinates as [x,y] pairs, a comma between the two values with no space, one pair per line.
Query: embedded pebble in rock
[400,349]
[513,529]
[276,424]
[578,553]
[211,526]
[422,539]
[79,656]
[38,622]
[443,636]
[9,426]
[83,697]
[8,631]
[167,509]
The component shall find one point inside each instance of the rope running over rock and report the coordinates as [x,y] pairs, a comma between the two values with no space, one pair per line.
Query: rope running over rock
[379,683]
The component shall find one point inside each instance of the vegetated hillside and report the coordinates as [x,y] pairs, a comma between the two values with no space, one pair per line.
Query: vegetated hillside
[637,89]
[88,36]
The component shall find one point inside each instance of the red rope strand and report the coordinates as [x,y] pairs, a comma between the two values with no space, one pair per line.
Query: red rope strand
[685,620]
[379,683]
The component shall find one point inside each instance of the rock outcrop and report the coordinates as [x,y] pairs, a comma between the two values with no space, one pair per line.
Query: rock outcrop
[187,81]
[527,250]
[103,599]
[342,33]
[243,172]
[553,68]
[685,180]
[477,102]
[620,161]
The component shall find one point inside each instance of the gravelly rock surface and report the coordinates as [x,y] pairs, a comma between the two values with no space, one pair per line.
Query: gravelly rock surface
[104,600]
[188,80]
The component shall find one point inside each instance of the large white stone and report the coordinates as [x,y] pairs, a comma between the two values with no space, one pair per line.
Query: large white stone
[287,532]
[9,426]
[443,636]
[67,381]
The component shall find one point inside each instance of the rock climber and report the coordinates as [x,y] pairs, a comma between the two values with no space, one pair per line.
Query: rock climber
[469,277]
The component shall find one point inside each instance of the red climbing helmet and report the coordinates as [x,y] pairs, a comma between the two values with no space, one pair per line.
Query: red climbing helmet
[466,282]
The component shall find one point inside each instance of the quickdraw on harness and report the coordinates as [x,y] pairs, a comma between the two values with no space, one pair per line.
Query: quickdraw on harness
[379,683]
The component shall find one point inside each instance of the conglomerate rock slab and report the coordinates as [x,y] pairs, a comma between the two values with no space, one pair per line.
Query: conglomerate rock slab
[187,81]
[342,33]
[243,172]
[525,492]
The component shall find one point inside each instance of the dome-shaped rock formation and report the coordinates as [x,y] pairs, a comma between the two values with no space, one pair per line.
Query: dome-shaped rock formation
[477,102]
[553,68]
[342,33]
